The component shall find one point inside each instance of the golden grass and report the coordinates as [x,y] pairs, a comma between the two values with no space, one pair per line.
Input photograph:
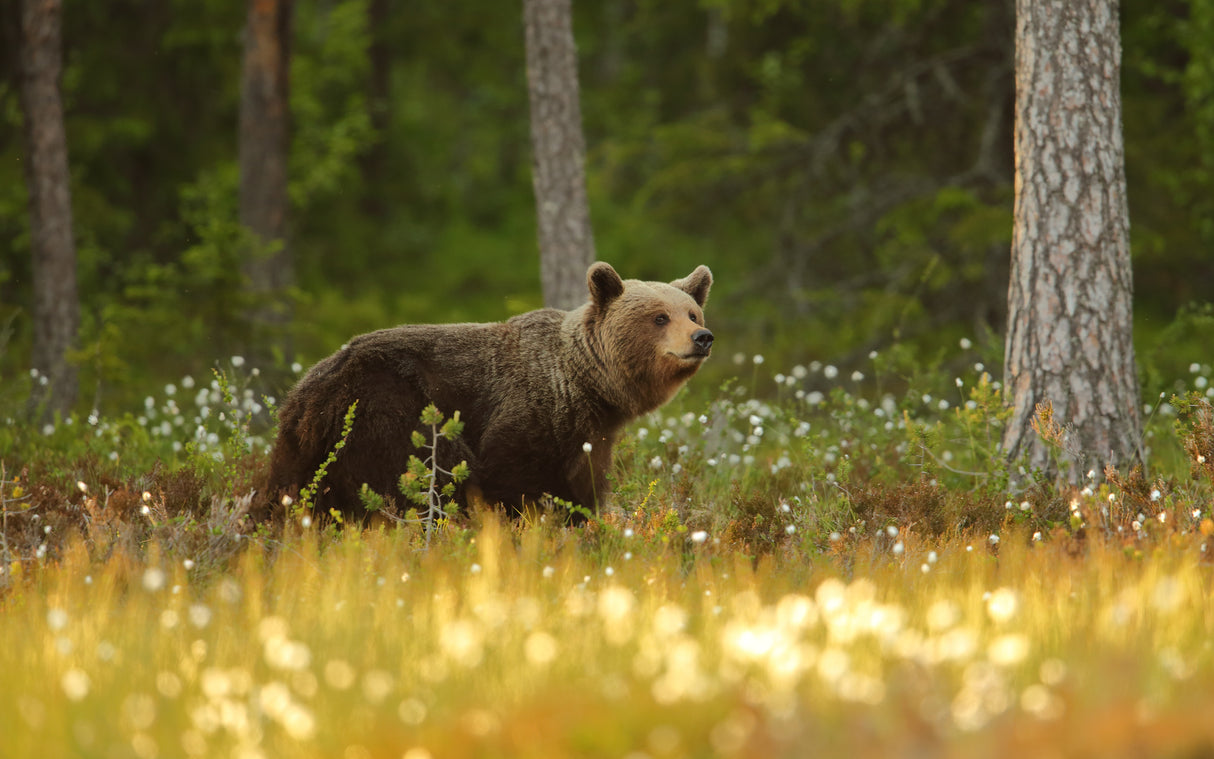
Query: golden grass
[517,641]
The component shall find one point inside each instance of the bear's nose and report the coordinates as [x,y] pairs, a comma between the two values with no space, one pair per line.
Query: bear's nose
[702,338]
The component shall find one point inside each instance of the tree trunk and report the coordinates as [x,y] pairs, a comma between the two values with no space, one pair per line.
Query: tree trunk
[264,116]
[373,160]
[56,304]
[558,147]
[1069,322]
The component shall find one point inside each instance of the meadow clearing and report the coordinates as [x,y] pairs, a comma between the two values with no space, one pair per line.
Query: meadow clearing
[840,565]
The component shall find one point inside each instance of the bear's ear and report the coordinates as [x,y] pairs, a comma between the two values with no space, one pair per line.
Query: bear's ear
[696,284]
[605,285]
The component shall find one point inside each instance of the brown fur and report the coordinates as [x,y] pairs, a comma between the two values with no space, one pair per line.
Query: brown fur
[531,391]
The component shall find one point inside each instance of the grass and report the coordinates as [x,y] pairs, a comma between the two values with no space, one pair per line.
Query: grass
[834,566]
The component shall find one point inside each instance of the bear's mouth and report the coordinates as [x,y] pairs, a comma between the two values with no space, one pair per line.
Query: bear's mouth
[696,354]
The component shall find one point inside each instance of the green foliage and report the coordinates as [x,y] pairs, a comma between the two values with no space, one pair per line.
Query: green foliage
[329,68]
[420,483]
[308,493]
[838,219]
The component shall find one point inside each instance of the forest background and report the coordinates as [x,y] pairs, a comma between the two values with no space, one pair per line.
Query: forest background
[845,168]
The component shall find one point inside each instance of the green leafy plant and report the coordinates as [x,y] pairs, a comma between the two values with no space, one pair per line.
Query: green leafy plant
[421,481]
[308,493]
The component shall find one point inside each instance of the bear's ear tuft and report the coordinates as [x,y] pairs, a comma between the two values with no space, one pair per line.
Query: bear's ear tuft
[696,284]
[605,285]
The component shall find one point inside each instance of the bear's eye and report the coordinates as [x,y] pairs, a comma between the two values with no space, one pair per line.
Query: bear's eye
[661,320]
[692,316]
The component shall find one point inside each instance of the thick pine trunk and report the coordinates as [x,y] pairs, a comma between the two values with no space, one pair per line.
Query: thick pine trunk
[1069,322]
[373,160]
[558,149]
[263,149]
[56,304]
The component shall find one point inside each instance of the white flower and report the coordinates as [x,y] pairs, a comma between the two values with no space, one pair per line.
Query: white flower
[857,376]
[994,540]
[587,447]
[830,371]
[699,536]
[56,619]
[655,462]
[758,359]
[790,529]
[238,361]
[153,579]
[1002,604]
[965,343]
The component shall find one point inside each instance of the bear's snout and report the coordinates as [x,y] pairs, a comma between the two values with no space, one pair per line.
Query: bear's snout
[702,339]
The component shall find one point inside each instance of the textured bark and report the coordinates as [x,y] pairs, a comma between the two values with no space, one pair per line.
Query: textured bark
[558,148]
[373,160]
[263,154]
[1069,300]
[56,304]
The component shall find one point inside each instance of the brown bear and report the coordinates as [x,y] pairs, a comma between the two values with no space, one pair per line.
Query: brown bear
[531,391]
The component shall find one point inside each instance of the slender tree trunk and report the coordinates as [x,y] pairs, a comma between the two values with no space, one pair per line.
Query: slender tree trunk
[56,303]
[373,159]
[1069,301]
[559,152]
[263,156]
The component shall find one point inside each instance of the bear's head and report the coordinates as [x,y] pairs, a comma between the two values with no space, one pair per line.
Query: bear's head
[651,334]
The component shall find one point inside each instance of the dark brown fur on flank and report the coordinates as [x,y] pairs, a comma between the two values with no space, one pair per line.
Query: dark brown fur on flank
[531,392]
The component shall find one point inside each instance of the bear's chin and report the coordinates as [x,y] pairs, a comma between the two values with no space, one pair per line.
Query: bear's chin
[690,359]
[683,367]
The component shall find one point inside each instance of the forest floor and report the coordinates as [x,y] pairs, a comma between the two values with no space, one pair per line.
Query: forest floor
[834,570]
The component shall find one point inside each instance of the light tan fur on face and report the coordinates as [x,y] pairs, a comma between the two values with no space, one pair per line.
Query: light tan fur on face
[671,353]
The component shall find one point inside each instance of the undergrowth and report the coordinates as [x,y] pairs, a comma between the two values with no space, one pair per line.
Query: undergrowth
[782,563]
[795,461]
